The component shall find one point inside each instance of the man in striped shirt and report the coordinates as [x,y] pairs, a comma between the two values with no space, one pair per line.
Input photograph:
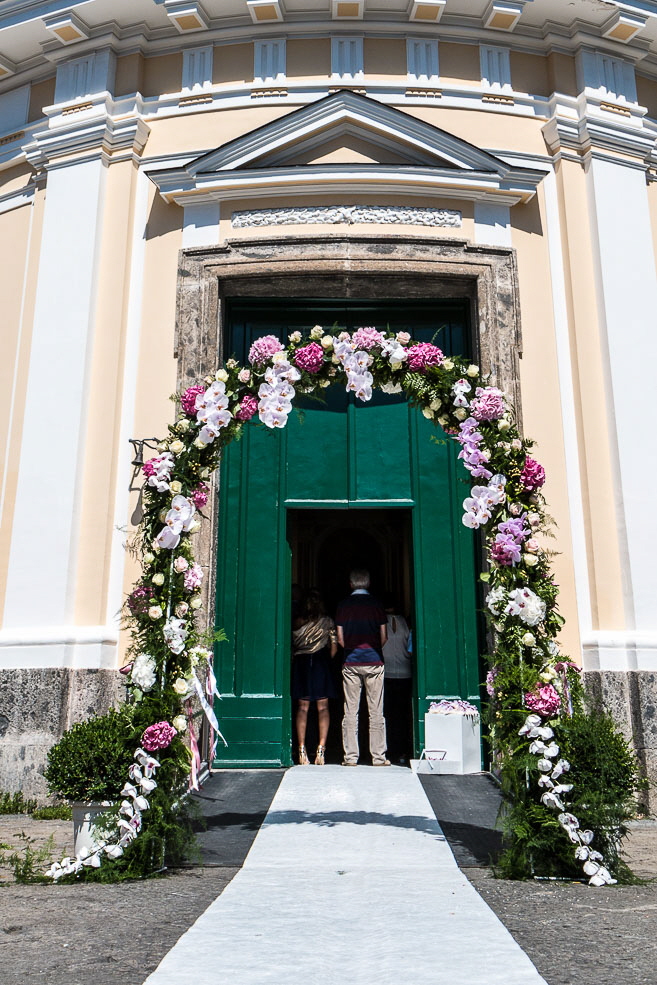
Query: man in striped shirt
[361,626]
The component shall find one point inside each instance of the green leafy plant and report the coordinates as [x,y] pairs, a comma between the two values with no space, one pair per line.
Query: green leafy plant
[28,862]
[15,803]
[91,760]
[606,781]
[53,812]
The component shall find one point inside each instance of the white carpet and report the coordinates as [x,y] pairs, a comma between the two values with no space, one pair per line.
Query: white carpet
[349,882]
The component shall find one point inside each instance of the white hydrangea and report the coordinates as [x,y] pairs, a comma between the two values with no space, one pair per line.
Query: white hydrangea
[525,604]
[143,673]
[495,597]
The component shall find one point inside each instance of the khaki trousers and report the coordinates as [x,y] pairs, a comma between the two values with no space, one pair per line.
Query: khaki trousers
[355,677]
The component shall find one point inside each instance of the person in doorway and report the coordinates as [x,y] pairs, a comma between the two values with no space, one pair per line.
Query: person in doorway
[361,628]
[397,687]
[313,645]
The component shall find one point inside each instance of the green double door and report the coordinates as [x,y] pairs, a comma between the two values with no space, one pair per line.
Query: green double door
[380,485]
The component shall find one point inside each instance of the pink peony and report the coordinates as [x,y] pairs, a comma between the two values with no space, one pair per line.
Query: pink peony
[545,700]
[158,736]
[263,349]
[248,407]
[139,600]
[533,475]
[310,357]
[487,404]
[188,399]
[193,577]
[200,495]
[368,338]
[424,355]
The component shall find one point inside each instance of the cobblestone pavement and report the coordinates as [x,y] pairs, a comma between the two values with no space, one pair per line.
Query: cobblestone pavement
[117,934]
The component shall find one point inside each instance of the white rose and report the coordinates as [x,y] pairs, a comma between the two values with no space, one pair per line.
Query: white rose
[180,686]
[162,446]
[175,487]
[177,446]
[198,443]
[324,383]
[279,357]
[231,364]
[533,519]
[316,332]
[395,365]
[436,404]
[181,610]
[179,723]
[222,375]
[448,364]
[183,425]
[295,338]
[460,413]
[472,370]
[532,546]
[503,424]
[181,564]
[528,639]
[158,579]
[149,558]
[516,444]
[327,342]
[196,602]
[428,413]
[155,612]
[443,420]
[244,375]
[530,560]
[205,474]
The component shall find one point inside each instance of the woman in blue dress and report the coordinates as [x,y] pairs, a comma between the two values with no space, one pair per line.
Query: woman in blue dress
[313,644]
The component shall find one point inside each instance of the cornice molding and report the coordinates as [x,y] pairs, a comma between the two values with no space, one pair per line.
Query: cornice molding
[89,135]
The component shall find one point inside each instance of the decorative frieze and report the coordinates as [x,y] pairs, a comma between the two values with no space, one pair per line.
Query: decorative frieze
[347,215]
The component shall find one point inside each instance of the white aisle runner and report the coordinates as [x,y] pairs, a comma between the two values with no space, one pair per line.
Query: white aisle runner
[349,882]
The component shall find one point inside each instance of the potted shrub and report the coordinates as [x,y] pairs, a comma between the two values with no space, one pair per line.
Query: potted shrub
[88,767]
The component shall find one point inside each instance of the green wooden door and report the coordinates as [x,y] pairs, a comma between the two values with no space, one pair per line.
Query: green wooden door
[337,455]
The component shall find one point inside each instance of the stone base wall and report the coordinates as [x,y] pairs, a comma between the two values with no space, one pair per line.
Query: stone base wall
[631,697]
[36,707]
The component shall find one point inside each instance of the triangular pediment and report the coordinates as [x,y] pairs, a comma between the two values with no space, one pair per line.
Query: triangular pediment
[346,136]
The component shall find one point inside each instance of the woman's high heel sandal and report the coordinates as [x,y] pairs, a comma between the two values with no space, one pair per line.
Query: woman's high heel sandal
[319,755]
[303,757]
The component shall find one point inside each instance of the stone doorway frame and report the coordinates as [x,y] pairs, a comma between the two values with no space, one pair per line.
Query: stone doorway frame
[343,267]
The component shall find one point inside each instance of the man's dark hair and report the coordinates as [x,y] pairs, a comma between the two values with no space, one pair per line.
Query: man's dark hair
[359,578]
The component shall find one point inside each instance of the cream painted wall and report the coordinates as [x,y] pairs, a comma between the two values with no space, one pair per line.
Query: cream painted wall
[591,399]
[541,403]
[104,412]
[20,234]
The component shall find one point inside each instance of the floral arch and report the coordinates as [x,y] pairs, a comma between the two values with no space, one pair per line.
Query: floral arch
[532,687]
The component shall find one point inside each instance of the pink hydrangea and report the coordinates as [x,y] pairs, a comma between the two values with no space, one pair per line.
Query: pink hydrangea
[148,468]
[139,600]
[158,736]
[188,399]
[263,349]
[424,355]
[248,407]
[487,404]
[533,475]
[544,700]
[368,338]
[193,577]
[200,495]
[310,357]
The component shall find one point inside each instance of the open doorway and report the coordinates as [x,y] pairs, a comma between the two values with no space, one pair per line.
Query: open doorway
[326,544]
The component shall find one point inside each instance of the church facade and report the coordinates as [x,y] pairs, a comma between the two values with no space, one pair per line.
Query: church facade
[178,178]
